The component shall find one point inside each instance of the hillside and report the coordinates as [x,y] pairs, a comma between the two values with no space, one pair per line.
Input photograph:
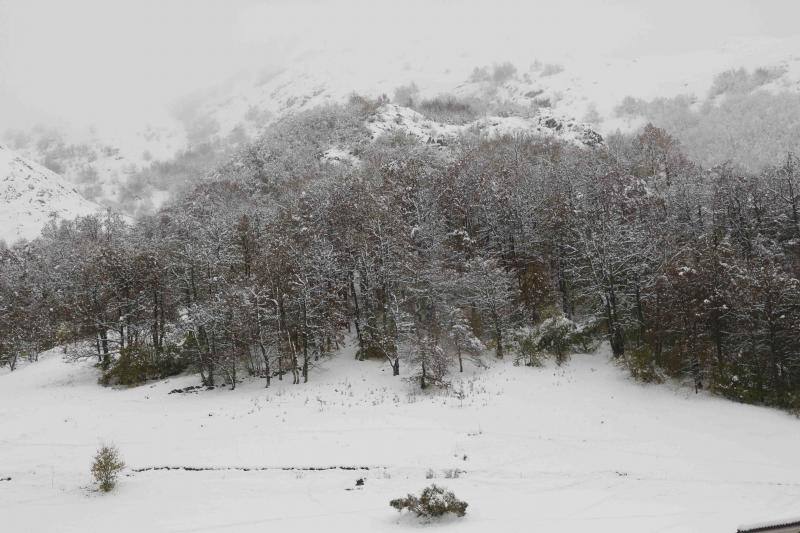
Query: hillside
[31,195]
[560,449]
[583,88]
[138,167]
[367,267]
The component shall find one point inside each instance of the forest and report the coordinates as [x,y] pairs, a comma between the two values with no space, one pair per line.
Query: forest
[432,256]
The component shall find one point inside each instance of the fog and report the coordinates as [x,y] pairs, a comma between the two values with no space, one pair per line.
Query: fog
[121,64]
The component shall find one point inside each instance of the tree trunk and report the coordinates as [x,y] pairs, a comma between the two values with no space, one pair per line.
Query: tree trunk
[498,334]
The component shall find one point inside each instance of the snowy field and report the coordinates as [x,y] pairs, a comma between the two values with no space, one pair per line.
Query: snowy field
[576,448]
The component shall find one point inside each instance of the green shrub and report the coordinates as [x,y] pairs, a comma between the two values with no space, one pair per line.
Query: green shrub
[138,364]
[586,338]
[525,344]
[432,503]
[641,363]
[106,467]
[555,336]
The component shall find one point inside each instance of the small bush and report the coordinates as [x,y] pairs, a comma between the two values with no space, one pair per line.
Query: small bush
[586,337]
[453,473]
[525,345]
[106,467]
[503,72]
[432,503]
[480,74]
[448,109]
[499,73]
[406,95]
[555,336]
[551,69]
[367,106]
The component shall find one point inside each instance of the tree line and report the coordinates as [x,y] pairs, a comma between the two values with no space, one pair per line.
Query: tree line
[430,255]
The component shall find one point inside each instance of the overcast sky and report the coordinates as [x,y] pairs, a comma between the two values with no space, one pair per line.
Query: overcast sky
[104,61]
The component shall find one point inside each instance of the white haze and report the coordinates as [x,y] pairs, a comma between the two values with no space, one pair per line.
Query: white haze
[118,64]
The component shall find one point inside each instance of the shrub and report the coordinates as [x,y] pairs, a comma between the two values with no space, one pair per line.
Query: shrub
[641,363]
[525,345]
[138,364]
[551,69]
[406,95]
[586,337]
[448,109]
[741,81]
[367,106]
[106,467]
[499,73]
[555,336]
[432,503]
[503,72]
[480,74]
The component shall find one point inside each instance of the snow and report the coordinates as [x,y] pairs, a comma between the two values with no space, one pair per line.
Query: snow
[770,524]
[589,87]
[589,80]
[30,195]
[561,449]
[337,156]
[393,117]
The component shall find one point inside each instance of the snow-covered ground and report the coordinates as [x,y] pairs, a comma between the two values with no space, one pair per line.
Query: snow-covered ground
[573,448]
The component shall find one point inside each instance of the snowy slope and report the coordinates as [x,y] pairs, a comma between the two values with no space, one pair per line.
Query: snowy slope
[31,195]
[392,118]
[582,88]
[585,87]
[544,123]
[562,449]
[101,165]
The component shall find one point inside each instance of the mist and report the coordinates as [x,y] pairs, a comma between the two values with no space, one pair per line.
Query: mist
[120,65]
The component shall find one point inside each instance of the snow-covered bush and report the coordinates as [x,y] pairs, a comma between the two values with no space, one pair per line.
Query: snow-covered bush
[406,95]
[432,503]
[503,72]
[742,81]
[448,109]
[480,74]
[499,73]
[106,467]
[429,362]
[586,336]
[553,336]
[551,69]
[524,344]
[463,340]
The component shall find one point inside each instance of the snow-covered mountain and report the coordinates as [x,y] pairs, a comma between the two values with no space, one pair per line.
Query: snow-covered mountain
[587,87]
[104,166]
[121,168]
[31,195]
